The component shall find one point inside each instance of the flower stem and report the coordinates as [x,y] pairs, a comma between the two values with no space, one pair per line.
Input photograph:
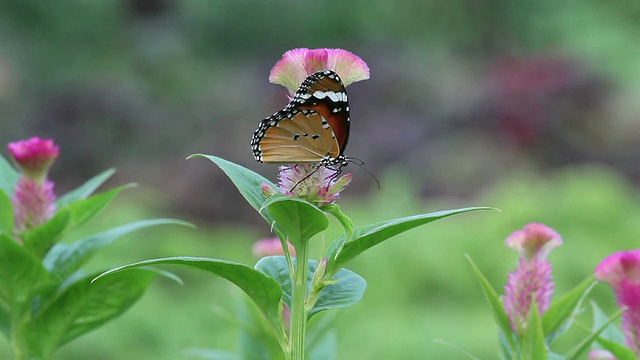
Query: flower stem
[298,311]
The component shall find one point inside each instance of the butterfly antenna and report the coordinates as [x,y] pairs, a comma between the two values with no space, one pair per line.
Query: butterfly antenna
[360,164]
[304,178]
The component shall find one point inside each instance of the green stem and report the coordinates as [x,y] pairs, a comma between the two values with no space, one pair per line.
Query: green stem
[298,311]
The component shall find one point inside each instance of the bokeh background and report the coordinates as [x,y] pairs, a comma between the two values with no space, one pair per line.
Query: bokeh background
[530,107]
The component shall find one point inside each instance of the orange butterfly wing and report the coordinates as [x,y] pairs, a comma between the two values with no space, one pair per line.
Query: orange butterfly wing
[312,128]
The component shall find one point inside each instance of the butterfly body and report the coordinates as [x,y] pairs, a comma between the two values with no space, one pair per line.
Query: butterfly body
[312,128]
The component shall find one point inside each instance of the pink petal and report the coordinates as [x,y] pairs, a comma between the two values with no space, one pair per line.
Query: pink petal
[534,241]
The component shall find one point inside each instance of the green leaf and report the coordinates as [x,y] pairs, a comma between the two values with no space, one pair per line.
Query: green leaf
[368,236]
[248,183]
[347,291]
[557,318]
[617,349]
[21,274]
[300,220]
[6,214]
[63,260]
[82,307]
[579,350]
[533,342]
[85,190]
[263,290]
[507,350]
[40,239]
[8,176]
[498,312]
[346,222]
[612,332]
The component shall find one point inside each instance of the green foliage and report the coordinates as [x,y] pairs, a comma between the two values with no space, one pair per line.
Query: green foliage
[263,290]
[313,286]
[346,288]
[8,177]
[86,189]
[46,303]
[80,307]
[298,219]
[611,337]
[6,217]
[366,237]
[540,331]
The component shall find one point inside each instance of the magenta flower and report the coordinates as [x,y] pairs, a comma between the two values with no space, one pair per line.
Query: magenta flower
[532,277]
[271,247]
[33,200]
[297,64]
[34,156]
[622,272]
[318,185]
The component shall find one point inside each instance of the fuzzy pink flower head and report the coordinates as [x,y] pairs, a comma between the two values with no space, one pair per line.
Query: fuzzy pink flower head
[535,241]
[297,64]
[33,203]
[271,247]
[532,279]
[318,185]
[622,272]
[34,156]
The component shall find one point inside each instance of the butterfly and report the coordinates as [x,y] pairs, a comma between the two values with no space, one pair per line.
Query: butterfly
[312,128]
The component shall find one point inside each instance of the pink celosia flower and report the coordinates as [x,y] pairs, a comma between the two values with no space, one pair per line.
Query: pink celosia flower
[532,277]
[34,156]
[297,64]
[33,200]
[271,247]
[33,203]
[601,355]
[317,185]
[622,272]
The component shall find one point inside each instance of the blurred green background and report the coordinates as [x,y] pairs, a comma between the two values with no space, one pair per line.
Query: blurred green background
[530,107]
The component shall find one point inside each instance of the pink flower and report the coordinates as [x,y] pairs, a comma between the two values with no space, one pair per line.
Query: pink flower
[535,240]
[297,64]
[317,185]
[271,247]
[622,272]
[34,156]
[532,277]
[33,203]
[33,200]
[601,355]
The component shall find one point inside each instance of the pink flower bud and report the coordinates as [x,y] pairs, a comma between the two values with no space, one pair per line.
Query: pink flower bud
[34,156]
[33,199]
